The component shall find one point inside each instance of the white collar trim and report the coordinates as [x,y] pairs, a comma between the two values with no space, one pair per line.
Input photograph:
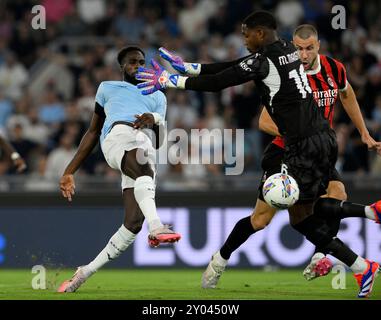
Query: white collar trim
[317,70]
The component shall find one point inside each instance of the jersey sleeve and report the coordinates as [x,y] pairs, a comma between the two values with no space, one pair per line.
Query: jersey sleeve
[213,68]
[255,67]
[100,96]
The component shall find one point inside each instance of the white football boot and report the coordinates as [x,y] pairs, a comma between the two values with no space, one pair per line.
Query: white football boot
[319,266]
[213,272]
[79,278]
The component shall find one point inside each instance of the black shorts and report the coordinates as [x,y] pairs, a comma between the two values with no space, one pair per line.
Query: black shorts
[303,172]
[311,161]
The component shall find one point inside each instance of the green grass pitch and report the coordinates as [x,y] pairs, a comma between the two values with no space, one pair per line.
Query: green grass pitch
[181,284]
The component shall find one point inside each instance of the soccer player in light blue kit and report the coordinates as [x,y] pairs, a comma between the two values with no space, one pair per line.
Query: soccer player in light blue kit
[121,111]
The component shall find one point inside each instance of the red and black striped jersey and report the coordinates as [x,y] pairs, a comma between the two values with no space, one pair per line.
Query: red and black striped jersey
[326,81]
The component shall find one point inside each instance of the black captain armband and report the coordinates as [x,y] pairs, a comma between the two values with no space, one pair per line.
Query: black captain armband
[99,110]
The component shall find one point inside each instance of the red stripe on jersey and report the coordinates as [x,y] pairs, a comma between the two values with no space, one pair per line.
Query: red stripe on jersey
[313,84]
[324,63]
[333,66]
[323,75]
[338,71]
[333,81]
[279,141]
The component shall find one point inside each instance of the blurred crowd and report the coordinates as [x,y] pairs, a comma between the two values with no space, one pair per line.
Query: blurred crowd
[49,77]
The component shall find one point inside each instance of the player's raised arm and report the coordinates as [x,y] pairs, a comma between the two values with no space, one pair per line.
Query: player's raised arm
[195,69]
[352,108]
[158,78]
[12,154]
[88,142]
[178,63]
[266,124]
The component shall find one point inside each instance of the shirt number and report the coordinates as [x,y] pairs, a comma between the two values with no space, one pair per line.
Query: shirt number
[301,81]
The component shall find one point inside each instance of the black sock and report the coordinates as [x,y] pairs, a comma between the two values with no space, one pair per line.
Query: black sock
[340,251]
[350,209]
[240,233]
[328,207]
[318,232]
[334,226]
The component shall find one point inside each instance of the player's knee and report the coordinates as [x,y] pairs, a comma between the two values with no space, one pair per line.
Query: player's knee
[134,226]
[132,168]
[338,195]
[135,229]
[129,165]
[336,190]
[260,221]
[327,207]
[140,170]
[145,170]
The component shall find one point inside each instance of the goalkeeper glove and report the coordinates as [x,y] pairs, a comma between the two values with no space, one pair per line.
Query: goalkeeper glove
[178,64]
[158,78]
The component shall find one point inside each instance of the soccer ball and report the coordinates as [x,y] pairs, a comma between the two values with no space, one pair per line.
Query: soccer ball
[280,191]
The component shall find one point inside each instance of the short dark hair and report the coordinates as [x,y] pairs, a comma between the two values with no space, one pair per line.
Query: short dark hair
[305,31]
[123,52]
[260,19]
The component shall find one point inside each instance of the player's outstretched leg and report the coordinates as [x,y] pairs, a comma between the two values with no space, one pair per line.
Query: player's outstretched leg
[243,229]
[79,278]
[118,243]
[162,235]
[319,266]
[214,271]
[326,207]
[144,192]
[365,280]
[317,231]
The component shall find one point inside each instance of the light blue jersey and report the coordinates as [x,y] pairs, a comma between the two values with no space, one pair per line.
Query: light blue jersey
[122,100]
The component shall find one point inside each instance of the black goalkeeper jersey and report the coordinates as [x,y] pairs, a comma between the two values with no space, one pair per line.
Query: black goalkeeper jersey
[282,83]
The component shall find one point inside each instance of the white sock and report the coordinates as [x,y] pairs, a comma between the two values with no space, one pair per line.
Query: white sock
[370,214]
[317,256]
[218,258]
[144,191]
[359,266]
[118,243]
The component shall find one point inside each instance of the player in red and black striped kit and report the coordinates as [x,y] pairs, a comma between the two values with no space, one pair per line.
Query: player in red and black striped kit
[310,146]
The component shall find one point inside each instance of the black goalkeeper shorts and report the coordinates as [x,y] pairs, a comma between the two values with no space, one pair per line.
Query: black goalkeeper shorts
[318,151]
[311,161]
